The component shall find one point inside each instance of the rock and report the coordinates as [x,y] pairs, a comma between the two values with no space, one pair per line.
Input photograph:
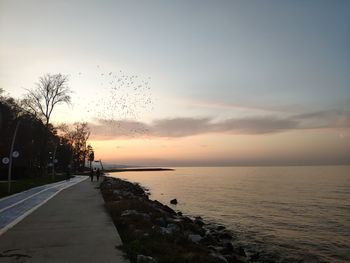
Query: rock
[161,221]
[129,212]
[209,240]
[219,228]
[199,221]
[255,256]
[165,231]
[213,248]
[216,248]
[219,258]
[170,229]
[173,227]
[145,219]
[233,259]
[145,259]
[162,208]
[197,229]
[225,235]
[186,219]
[195,238]
[107,185]
[173,201]
[240,251]
[227,249]
[116,192]
[134,212]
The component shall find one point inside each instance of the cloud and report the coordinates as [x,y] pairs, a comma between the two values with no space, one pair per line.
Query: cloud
[182,127]
[324,119]
[109,129]
[256,125]
[236,106]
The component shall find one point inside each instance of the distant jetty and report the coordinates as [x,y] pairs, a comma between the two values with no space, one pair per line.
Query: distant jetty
[137,169]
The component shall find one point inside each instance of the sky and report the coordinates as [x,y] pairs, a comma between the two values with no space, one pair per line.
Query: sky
[203,83]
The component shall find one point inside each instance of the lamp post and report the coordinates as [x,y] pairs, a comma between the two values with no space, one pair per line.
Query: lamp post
[99,161]
[11,156]
[54,160]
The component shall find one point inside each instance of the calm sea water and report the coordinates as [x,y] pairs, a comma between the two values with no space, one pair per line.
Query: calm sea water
[287,214]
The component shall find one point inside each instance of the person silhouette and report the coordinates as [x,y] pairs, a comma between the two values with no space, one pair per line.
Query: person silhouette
[68,173]
[91,175]
[98,173]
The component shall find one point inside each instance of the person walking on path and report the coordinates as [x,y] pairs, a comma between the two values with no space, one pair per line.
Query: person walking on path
[98,173]
[91,175]
[68,173]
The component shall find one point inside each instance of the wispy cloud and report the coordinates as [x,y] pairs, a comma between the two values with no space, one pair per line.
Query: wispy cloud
[182,127]
[109,129]
[240,107]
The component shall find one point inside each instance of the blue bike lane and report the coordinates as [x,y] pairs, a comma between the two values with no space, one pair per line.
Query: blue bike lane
[16,207]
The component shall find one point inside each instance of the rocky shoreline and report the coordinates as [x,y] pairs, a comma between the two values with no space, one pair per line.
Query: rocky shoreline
[153,232]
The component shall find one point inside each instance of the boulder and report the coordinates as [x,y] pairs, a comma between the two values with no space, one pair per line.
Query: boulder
[195,238]
[219,228]
[219,258]
[233,259]
[173,227]
[225,235]
[145,259]
[240,251]
[129,212]
[173,201]
[199,221]
[196,229]
[134,212]
[161,221]
[227,249]
[255,257]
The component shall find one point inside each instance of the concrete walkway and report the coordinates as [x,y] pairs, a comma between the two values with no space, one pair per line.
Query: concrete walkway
[73,226]
[16,207]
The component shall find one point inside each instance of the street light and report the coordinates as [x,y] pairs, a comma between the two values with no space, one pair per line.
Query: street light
[99,161]
[8,161]
[13,154]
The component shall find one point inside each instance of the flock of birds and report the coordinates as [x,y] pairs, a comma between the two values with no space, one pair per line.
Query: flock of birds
[119,101]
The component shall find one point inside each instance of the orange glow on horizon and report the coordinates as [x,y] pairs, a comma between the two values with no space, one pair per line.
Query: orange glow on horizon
[238,148]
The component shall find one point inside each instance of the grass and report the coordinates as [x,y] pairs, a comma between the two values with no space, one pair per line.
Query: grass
[27,183]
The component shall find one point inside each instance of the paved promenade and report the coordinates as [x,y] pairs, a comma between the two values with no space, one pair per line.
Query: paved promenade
[15,207]
[72,226]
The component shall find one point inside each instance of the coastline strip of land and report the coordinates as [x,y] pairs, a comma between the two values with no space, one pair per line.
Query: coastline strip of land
[138,169]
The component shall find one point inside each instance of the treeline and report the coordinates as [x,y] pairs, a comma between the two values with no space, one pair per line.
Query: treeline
[41,148]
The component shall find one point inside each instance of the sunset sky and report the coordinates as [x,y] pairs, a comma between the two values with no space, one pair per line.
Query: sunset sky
[170,83]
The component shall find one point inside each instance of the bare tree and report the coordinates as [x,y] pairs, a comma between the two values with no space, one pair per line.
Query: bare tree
[78,136]
[50,91]
[91,155]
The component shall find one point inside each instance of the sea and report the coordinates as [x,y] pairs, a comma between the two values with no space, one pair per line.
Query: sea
[286,214]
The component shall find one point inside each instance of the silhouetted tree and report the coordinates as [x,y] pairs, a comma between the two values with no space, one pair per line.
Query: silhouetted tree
[34,135]
[29,140]
[78,136]
[91,155]
[51,90]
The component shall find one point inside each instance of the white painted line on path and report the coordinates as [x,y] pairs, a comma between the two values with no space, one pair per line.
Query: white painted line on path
[22,200]
[21,217]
